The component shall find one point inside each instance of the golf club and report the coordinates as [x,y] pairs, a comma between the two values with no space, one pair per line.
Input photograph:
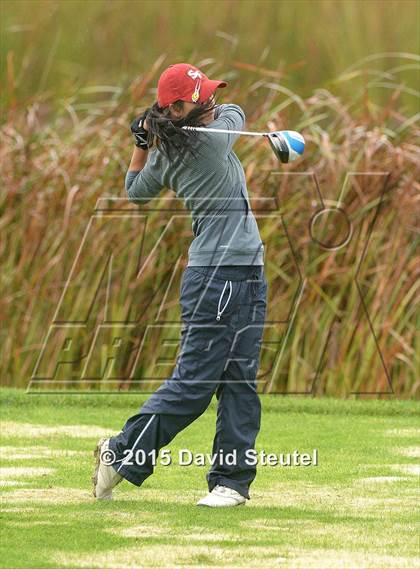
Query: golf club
[287,145]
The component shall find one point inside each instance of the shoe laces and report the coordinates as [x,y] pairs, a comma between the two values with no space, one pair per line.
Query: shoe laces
[225,490]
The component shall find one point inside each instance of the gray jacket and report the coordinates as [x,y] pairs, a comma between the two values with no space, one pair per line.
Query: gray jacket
[214,189]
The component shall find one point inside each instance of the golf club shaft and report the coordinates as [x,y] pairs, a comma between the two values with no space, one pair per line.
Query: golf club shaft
[205,129]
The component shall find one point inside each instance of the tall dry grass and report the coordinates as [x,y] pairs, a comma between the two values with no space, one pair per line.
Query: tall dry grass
[335,325]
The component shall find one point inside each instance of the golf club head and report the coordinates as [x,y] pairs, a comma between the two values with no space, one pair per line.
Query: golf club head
[287,145]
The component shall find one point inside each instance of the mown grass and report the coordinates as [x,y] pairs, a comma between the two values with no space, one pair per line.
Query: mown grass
[356,509]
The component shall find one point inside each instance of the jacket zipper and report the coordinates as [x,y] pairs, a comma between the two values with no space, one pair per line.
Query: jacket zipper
[247,209]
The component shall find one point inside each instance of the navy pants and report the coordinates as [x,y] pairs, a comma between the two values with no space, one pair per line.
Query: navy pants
[223,314]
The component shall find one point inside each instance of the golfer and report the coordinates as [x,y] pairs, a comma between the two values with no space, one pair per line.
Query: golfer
[223,291]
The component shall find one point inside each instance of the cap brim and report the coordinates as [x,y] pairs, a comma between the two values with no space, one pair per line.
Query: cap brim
[209,87]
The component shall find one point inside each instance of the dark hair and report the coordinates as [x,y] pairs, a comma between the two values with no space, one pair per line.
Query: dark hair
[170,138]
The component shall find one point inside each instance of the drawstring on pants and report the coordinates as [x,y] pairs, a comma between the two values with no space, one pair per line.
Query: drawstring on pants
[220,312]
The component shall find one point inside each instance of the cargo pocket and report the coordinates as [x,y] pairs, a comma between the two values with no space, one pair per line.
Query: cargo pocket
[192,286]
[259,286]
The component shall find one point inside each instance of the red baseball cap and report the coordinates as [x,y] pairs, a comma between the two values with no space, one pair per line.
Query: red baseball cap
[185,82]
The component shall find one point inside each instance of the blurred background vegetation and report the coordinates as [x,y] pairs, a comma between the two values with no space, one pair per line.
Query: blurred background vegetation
[54,47]
[345,73]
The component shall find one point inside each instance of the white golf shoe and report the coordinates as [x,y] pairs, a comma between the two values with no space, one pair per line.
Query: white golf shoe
[222,497]
[105,478]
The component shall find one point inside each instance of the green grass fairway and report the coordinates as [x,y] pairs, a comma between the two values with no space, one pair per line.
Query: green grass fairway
[356,509]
